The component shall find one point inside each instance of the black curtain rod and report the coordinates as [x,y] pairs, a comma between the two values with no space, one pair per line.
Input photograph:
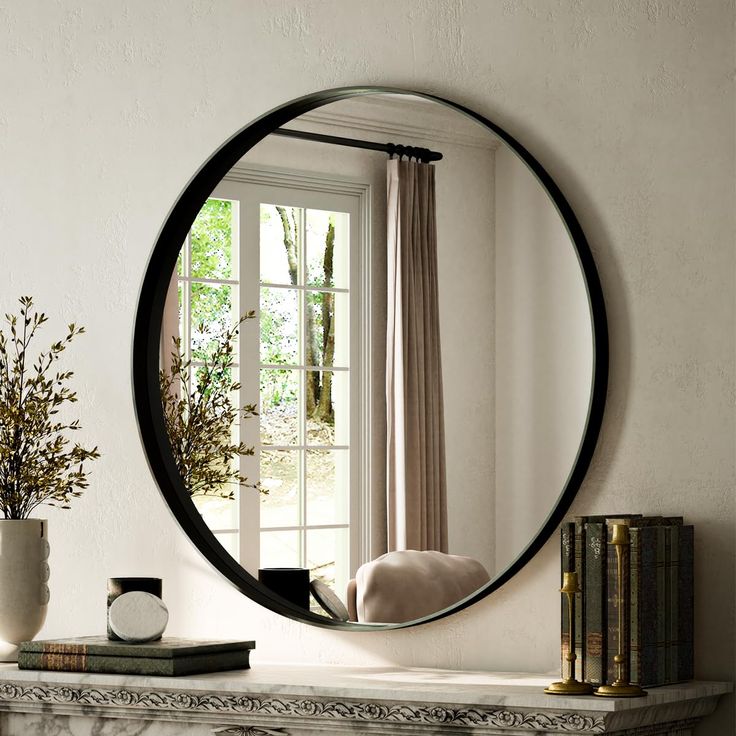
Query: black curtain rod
[423,154]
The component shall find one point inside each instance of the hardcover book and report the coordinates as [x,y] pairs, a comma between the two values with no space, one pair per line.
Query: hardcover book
[579,599]
[644,606]
[168,656]
[168,647]
[590,628]
[615,596]
[660,590]
[567,564]
[658,595]
[672,557]
[595,593]
[192,665]
[661,610]
[685,619]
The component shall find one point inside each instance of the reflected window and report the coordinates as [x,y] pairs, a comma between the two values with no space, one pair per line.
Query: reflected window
[296,264]
[304,367]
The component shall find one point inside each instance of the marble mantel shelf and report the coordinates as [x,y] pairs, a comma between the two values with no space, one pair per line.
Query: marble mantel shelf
[303,699]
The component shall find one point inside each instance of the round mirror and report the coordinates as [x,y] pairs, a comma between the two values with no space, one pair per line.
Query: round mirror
[370,358]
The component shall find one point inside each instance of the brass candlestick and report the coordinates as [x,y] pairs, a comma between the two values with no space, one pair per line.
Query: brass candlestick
[621,687]
[570,686]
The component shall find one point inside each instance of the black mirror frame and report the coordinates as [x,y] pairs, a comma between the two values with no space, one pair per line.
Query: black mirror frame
[146,339]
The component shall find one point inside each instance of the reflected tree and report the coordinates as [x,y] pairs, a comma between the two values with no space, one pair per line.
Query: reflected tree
[320,329]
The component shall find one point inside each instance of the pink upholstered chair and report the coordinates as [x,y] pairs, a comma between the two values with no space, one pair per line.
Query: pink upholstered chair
[406,585]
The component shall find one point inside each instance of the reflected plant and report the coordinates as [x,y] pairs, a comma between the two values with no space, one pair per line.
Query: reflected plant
[37,463]
[200,416]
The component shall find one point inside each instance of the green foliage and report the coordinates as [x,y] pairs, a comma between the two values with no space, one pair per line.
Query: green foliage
[211,240]
[278,326]
[38,464]
[200,416]
[211,317]
[279,392]
[211,257]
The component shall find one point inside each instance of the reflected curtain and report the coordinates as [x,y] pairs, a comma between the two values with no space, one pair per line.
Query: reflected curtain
[415,480]
[170,328]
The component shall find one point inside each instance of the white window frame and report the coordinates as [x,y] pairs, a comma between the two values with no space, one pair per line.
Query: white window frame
[250,186]
[186,281]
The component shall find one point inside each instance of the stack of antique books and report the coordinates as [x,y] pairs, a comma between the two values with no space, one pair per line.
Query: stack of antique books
[167,656]
[658,585]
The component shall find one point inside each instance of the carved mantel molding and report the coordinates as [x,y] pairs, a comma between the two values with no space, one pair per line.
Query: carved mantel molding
[317,710]
[236,707]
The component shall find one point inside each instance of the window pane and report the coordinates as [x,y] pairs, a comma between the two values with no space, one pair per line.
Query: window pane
[167,338]
[279,549]
[328,553]
[218,512]
[230,543]
[327,249]
[327,329]
[279,323]
[280,477]
[211,240]
[279,407]
[280,244]
[180,291]
[328,422]
[328,487]
[212,316]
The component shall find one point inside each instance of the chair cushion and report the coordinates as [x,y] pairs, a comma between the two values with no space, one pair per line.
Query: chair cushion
[406,585]
[352,593]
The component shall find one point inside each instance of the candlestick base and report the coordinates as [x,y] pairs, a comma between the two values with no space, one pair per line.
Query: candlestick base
[569,687]
[624,690]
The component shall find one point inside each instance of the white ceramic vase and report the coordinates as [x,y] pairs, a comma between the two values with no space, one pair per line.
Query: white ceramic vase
[24,572]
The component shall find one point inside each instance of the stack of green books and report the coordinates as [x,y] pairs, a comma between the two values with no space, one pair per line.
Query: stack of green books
[168,656]
[658,585]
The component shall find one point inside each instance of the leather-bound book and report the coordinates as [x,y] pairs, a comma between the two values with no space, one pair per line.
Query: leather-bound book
[657,594]
[643,634]
[167,657]
[660,523]
[567,564]
[580,598]
[595,594]
[685,601]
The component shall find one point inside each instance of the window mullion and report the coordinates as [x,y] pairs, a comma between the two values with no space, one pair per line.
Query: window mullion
[186,295]
[235,316]
[302,295]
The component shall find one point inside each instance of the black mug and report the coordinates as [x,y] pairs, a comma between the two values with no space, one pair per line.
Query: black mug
[291,583]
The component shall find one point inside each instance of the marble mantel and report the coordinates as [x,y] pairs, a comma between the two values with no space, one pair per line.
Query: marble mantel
[299,700]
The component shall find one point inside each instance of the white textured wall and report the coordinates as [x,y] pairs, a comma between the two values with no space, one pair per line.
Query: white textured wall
[108,107]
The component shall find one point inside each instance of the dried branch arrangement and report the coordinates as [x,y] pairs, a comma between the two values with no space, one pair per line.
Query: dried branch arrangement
[38,462]
[200,416]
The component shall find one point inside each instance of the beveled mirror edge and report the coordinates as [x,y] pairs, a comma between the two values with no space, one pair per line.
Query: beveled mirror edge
[146,338]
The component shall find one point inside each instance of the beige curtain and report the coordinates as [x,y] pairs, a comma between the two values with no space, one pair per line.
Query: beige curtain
[416,484]
[170,327]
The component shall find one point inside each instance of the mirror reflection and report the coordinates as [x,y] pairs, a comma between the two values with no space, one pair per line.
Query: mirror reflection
[377,368]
